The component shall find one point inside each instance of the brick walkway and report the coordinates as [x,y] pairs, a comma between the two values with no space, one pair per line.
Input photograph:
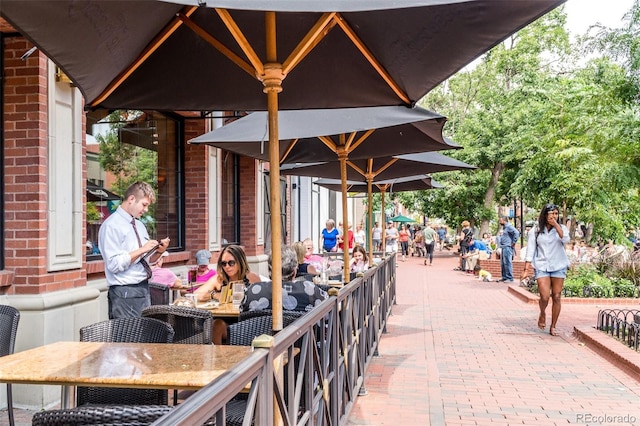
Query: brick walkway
[462,352]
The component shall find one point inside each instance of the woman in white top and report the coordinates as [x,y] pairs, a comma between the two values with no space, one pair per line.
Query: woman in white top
[546,253]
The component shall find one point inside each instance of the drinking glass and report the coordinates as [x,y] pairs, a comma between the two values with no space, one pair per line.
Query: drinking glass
[237,293]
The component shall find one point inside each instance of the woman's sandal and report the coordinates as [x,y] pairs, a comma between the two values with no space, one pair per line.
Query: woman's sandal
[542,322]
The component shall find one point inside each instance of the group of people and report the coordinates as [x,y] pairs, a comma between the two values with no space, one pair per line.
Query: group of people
[129,254]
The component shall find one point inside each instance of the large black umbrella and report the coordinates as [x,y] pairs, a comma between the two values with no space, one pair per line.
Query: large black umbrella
[380,168]
[186,54]
[315,135]
[144,54]
[408,183]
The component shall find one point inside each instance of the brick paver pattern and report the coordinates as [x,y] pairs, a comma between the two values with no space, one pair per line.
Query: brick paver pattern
[463,352]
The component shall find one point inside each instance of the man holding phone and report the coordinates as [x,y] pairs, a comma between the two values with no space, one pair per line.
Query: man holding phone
[127,252]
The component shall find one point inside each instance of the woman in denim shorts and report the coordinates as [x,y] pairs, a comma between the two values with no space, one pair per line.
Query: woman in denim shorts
[546,253]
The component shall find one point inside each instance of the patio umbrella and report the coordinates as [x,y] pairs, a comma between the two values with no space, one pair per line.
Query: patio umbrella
[380,168]
[409,183]
[402,219]
[185,55]
[96,193]
[317,135]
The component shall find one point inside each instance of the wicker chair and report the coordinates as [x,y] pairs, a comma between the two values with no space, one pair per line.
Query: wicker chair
[133,330]
[160,294]
[191,325]
[255,323]
[9,318]
[101,414]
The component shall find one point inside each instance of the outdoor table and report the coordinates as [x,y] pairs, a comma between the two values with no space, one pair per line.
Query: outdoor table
[122,365]
[223,310]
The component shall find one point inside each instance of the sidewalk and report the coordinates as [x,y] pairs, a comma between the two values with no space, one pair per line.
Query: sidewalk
[463,352]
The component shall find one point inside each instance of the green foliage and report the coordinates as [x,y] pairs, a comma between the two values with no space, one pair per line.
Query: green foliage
[542,126]
[93,215]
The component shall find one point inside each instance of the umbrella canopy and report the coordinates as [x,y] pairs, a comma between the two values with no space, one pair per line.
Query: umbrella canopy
[96,193]
[334,53]
[317,135]
[402,219]
[409,183]
[381,168]
[206,55]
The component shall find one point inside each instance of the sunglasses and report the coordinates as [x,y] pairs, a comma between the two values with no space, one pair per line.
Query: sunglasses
[224,263]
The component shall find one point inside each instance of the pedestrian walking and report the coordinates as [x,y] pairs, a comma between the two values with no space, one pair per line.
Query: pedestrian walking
[546,253]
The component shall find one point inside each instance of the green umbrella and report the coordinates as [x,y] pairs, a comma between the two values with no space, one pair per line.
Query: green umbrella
[401,218]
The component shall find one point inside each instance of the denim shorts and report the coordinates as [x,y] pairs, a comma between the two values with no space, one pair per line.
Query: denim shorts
[562,273]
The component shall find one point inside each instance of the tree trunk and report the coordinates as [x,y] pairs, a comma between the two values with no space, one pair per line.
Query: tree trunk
[489,196]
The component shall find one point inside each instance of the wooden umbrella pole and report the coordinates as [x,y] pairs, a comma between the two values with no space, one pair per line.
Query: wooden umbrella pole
[384,225]
[370,212]
[272,81]
[342,155]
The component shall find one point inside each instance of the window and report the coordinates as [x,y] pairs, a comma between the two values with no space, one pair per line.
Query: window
[127,146]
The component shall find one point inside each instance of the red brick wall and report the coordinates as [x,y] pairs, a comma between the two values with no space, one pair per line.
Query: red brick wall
[196,187]
[493,266]
[25,172]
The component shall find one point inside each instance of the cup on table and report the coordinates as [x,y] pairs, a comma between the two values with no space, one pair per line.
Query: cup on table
[192,297]
[237,293]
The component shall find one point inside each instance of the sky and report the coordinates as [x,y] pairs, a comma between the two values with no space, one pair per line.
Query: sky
[583,13]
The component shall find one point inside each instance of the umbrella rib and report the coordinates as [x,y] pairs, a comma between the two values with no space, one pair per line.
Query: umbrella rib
[356,168]
[148,51]
[309,42]
[386,166]
[288,150]
[218,45]
[242,41]
[371,59]
[329,143]
[361,139]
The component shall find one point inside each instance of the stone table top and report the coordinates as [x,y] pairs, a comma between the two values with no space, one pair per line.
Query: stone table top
[133,365]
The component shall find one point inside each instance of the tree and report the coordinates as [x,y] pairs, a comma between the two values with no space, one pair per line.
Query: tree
[486,107]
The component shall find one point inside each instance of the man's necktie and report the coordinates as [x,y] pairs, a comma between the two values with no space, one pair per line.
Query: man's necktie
[144,263]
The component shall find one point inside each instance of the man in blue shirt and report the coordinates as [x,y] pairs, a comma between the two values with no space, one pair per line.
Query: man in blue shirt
[477,251]
[507,243]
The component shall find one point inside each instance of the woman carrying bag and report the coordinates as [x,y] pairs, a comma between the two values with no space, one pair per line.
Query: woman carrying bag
[546,253]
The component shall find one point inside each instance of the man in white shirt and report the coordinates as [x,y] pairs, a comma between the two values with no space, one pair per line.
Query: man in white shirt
[124,244]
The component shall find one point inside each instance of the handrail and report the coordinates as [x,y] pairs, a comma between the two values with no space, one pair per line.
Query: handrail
[331,347]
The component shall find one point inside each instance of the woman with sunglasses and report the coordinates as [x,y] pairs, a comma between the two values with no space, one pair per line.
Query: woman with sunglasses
[232,266]
[546,253]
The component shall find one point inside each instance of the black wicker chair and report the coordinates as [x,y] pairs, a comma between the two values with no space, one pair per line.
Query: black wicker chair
[160,294]
[191,325]
[9,318]
[102,415]
[133,330]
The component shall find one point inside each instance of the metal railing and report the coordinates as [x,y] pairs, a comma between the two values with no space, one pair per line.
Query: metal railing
[621,324]
[326,353]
